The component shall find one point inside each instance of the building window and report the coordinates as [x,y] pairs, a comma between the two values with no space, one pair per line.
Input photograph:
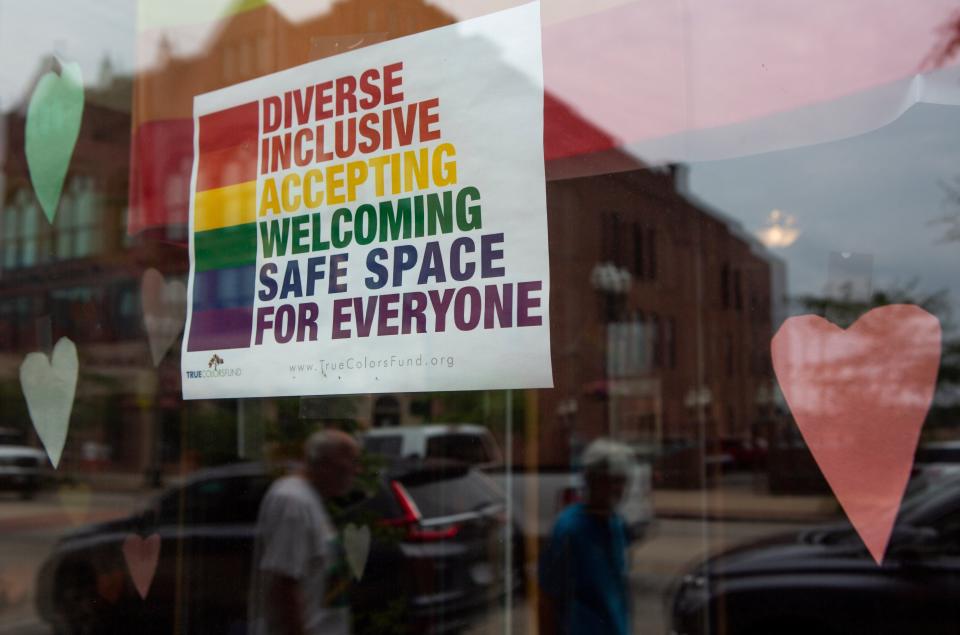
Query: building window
[639,264]
[629,348]
[737,291]
[21,231]
[652,253]
[611,230]
[725,286]
[644,252]
[11,218]
[77,225]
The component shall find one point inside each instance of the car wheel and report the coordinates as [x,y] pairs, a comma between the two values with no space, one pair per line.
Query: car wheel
[27,493]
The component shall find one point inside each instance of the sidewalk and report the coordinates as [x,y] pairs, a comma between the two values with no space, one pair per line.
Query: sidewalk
[117,482]
[740,503]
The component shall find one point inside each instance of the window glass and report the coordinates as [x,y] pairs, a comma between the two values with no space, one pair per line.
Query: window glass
[452,496]
[467,317]
[383,445]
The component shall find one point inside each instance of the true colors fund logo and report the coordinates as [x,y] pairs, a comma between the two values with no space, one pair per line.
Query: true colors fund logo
[214,369]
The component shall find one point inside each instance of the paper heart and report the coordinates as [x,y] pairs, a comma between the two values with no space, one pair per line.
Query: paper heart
[860,397]
[49,386]
[53,125]
[110,585]
[164,311]
[75,502]
[356,544]
[142,556]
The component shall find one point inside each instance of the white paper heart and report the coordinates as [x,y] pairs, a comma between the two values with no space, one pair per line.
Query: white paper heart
[164,307]
[356,543]
[49,386]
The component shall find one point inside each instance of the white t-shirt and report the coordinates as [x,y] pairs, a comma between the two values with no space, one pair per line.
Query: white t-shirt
[295,538]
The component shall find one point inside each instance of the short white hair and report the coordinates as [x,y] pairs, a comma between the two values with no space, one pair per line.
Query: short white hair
[323,444]
[606,456]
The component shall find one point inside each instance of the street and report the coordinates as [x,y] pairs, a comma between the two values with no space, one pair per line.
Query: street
[656,562]
[31,528]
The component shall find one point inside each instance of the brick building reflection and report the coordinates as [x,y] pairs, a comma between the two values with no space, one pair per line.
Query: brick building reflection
[661,313]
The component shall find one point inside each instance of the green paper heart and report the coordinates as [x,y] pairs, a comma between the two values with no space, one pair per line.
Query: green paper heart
[53,124]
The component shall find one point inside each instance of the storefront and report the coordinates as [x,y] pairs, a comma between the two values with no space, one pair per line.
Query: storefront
[448,266]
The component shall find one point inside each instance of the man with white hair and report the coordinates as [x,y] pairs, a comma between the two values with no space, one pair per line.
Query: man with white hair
[300,578]
[583,570]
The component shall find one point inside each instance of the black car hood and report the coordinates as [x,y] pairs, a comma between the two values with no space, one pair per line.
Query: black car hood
[825,548]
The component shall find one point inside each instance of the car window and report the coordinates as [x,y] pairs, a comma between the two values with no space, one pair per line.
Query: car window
[448,496]
[469,448]
[383,445]
[215,501]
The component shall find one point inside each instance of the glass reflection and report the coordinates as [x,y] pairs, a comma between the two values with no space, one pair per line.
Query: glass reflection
[670,280]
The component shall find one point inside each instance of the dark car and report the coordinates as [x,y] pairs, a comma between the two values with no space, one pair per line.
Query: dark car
[435,557]
[938,459]
[823,580]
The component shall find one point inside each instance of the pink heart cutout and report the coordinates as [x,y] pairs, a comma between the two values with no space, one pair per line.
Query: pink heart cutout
[110,585]
[142,555]
[860,397]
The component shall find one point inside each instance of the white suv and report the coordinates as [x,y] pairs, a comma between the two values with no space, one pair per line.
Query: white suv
[469,443]
[21,466]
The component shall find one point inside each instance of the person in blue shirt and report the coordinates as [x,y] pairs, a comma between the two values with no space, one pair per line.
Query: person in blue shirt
[583,570]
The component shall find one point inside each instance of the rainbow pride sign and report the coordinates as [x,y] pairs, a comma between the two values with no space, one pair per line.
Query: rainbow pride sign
[375,221]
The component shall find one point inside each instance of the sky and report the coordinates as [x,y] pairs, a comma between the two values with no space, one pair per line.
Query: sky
[680,64]
[878,194]
[84,31]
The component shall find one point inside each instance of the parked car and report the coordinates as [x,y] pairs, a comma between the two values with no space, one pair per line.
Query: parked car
[824,581]
[435,560]
[464,442]
[21,466]
[554,487]
[937,458]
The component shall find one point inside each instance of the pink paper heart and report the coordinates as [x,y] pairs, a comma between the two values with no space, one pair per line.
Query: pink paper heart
[142,555]
[859,397]
[110,585]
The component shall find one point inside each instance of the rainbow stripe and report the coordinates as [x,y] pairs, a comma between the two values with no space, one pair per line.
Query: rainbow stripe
[225,230]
